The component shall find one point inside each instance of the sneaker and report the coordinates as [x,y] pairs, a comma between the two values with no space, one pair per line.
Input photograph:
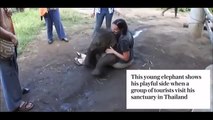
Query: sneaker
[65,39]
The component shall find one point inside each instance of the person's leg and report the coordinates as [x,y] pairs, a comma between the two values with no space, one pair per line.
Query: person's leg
[58,24]
[24,90]
[105,60]
[176,10]
[90,60]
[165,11]
[12,92]
[10,84]
[49,24]
[98,22]
[109,20]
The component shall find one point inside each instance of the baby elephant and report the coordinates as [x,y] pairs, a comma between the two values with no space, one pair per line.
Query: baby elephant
[96,57]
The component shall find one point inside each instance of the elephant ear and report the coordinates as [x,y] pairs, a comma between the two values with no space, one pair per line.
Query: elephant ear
[95,40]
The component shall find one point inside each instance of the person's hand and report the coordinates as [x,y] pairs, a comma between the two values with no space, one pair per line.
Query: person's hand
[110,50]
[14,39]
[93,15]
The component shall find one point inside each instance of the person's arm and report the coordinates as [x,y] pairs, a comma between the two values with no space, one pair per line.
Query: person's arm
[124,56]
[124,47]
[6,35]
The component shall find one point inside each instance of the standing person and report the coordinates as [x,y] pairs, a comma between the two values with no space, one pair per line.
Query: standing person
[9,74]
[102,13]
[176,10]
[53,17]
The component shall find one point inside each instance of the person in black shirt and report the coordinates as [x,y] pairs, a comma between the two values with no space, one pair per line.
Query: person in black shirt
[125,42]
[120,55]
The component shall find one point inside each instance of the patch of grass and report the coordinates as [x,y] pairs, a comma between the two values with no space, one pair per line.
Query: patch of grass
[184,9]
[27,25]
[70,17]
[179,9]
[211,10]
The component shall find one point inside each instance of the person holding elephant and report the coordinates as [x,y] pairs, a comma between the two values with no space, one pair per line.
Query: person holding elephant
[111,48]
[125,42]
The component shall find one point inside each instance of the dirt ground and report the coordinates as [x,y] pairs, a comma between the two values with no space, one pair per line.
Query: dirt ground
[57,84]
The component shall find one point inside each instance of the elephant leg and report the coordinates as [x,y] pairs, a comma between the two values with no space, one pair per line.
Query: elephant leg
[106,60]
[90,60]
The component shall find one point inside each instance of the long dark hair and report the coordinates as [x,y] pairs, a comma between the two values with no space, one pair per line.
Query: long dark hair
[122,25]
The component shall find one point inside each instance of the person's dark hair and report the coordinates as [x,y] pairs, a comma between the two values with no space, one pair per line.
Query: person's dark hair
[122,25]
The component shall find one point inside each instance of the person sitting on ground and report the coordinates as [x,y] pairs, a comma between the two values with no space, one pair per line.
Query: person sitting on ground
[118,56]
[122,52]
[125,43]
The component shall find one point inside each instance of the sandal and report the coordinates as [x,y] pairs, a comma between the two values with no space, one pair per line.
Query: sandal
[81,55]
[78,55]
[24,107]
[78,61]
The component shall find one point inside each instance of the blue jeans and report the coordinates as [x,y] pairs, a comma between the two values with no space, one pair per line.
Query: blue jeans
[11,88]
[100,19]
[53,16]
